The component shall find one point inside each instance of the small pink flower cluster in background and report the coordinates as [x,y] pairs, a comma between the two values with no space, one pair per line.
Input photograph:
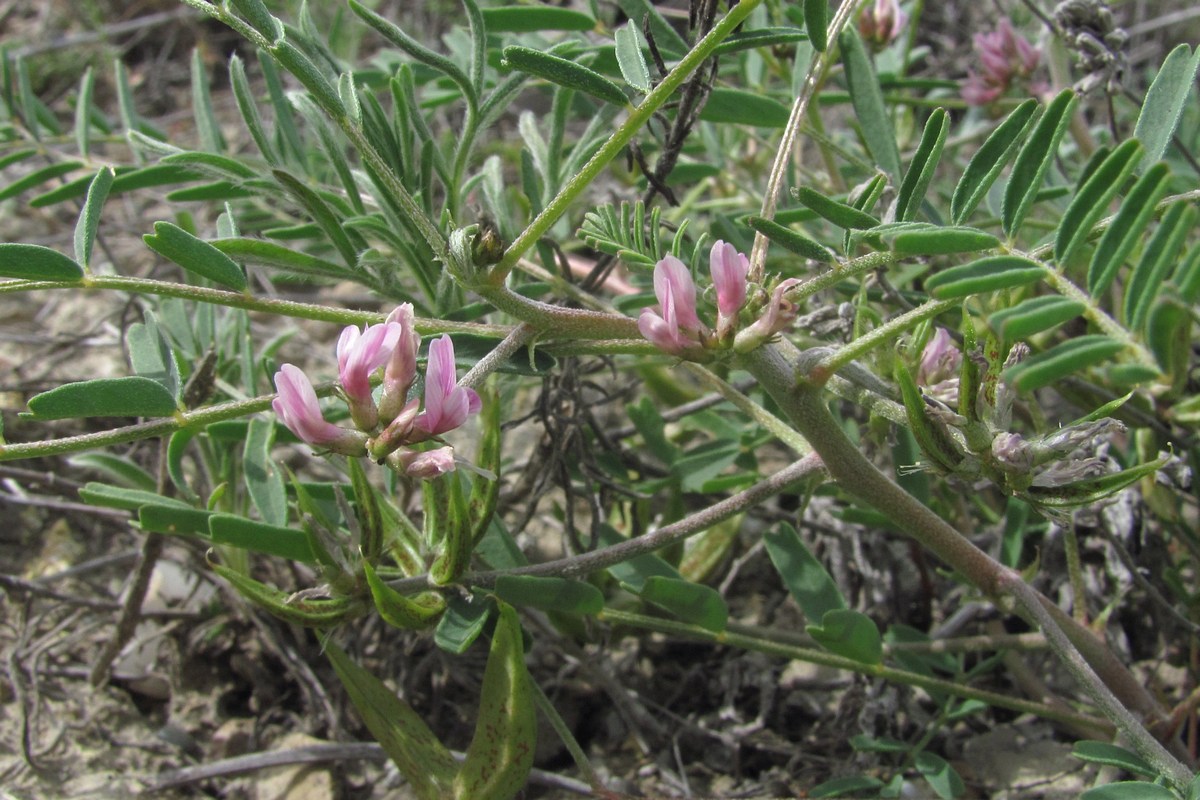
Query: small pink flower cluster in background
[880,25]
[676,328]
[1006,58]
[394,422]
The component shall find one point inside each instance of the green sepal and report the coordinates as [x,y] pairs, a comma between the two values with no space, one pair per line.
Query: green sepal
[308,613]
[485,491]
[402,611]
[367,513]
[935,442]
[456,535]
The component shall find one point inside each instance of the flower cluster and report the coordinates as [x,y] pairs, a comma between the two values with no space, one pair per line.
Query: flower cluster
[881,24]
[676,328]
[1031,467]
[382,428]
[1006,59]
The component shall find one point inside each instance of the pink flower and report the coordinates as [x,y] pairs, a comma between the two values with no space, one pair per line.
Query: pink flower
[298,409]
[778,314]
[880,25]
[359,354]
[729,269]
[678,328]
[1006,58]
[447,405]
[401,369]
[938,370]
[426,464]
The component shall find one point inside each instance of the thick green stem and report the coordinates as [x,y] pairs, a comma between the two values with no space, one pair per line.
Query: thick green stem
[622,136]
[775,368]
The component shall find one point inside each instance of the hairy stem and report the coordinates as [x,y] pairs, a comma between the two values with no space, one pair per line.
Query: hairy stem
[805,405]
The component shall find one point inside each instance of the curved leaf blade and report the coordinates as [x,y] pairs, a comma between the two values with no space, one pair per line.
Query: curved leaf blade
[791,240]
[840,214]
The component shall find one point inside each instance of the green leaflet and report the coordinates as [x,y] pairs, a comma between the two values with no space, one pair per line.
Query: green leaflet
[311,613]
[816,22]
[1062,360]
[867,99]
[1165,101]
[1092,199]
[132,396]
[1034,315]
[985,166]
[984,275]
[195,255]
[421,758]
[840,214]
[739,107]
[807,580]
[562,72]
[691,602]
[89,215]
[921,168]
[32,262]
[791,240]
[550,594]
[501,751]
[631,59]
[1157,259]
[530,19]
[938,240]
[1126,230]
[1034,160]
[399,610]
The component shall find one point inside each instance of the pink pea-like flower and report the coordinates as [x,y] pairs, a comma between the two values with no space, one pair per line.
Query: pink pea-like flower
[778,314]
[426,464]
[359,354]
[881,24]
[401,370]
[729,269]
[298,409]
[1005,57]
[938,370]
[677,328]
[447,405]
